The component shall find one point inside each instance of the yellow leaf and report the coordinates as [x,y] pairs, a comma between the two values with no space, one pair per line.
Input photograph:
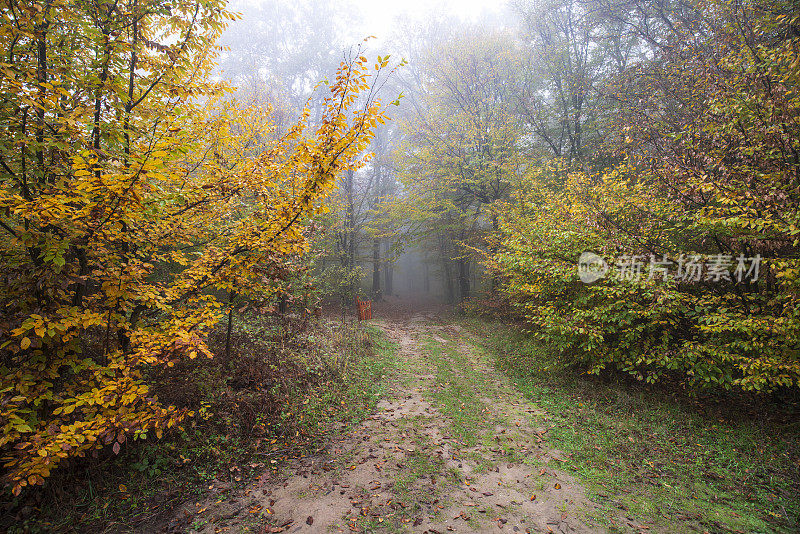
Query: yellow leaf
[25,343]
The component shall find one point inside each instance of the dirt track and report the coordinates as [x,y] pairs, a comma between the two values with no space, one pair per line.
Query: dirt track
[407,468]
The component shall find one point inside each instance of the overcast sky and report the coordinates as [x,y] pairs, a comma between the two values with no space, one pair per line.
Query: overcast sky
[379,14]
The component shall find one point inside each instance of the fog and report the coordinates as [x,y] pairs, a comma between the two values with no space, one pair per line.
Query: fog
[279,52]
[483,90]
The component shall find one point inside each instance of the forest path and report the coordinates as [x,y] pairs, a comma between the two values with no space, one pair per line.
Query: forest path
[452,448]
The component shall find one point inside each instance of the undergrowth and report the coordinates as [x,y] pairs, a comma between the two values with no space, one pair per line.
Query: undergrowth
[651,455]
[279,395]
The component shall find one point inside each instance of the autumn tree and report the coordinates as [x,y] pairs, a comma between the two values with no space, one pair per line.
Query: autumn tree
[133,193]
[704,181]
[461,153]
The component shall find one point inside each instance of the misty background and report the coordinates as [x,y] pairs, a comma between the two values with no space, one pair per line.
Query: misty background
[486,87]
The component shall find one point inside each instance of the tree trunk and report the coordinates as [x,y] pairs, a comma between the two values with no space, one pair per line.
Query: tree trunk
[351,222]
[231,296]
[376,268]
[388,271]
[463,279]
[450,290]
[41,77]
[495,277]
[346,241]
[376,243]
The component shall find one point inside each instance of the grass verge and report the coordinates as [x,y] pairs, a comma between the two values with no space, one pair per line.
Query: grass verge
[649,455]
[456,392]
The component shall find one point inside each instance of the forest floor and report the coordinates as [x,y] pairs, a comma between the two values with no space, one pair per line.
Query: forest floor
[452,448]
[458,444]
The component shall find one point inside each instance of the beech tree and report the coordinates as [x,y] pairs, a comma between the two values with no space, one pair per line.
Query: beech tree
[706,179]
[132,192]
